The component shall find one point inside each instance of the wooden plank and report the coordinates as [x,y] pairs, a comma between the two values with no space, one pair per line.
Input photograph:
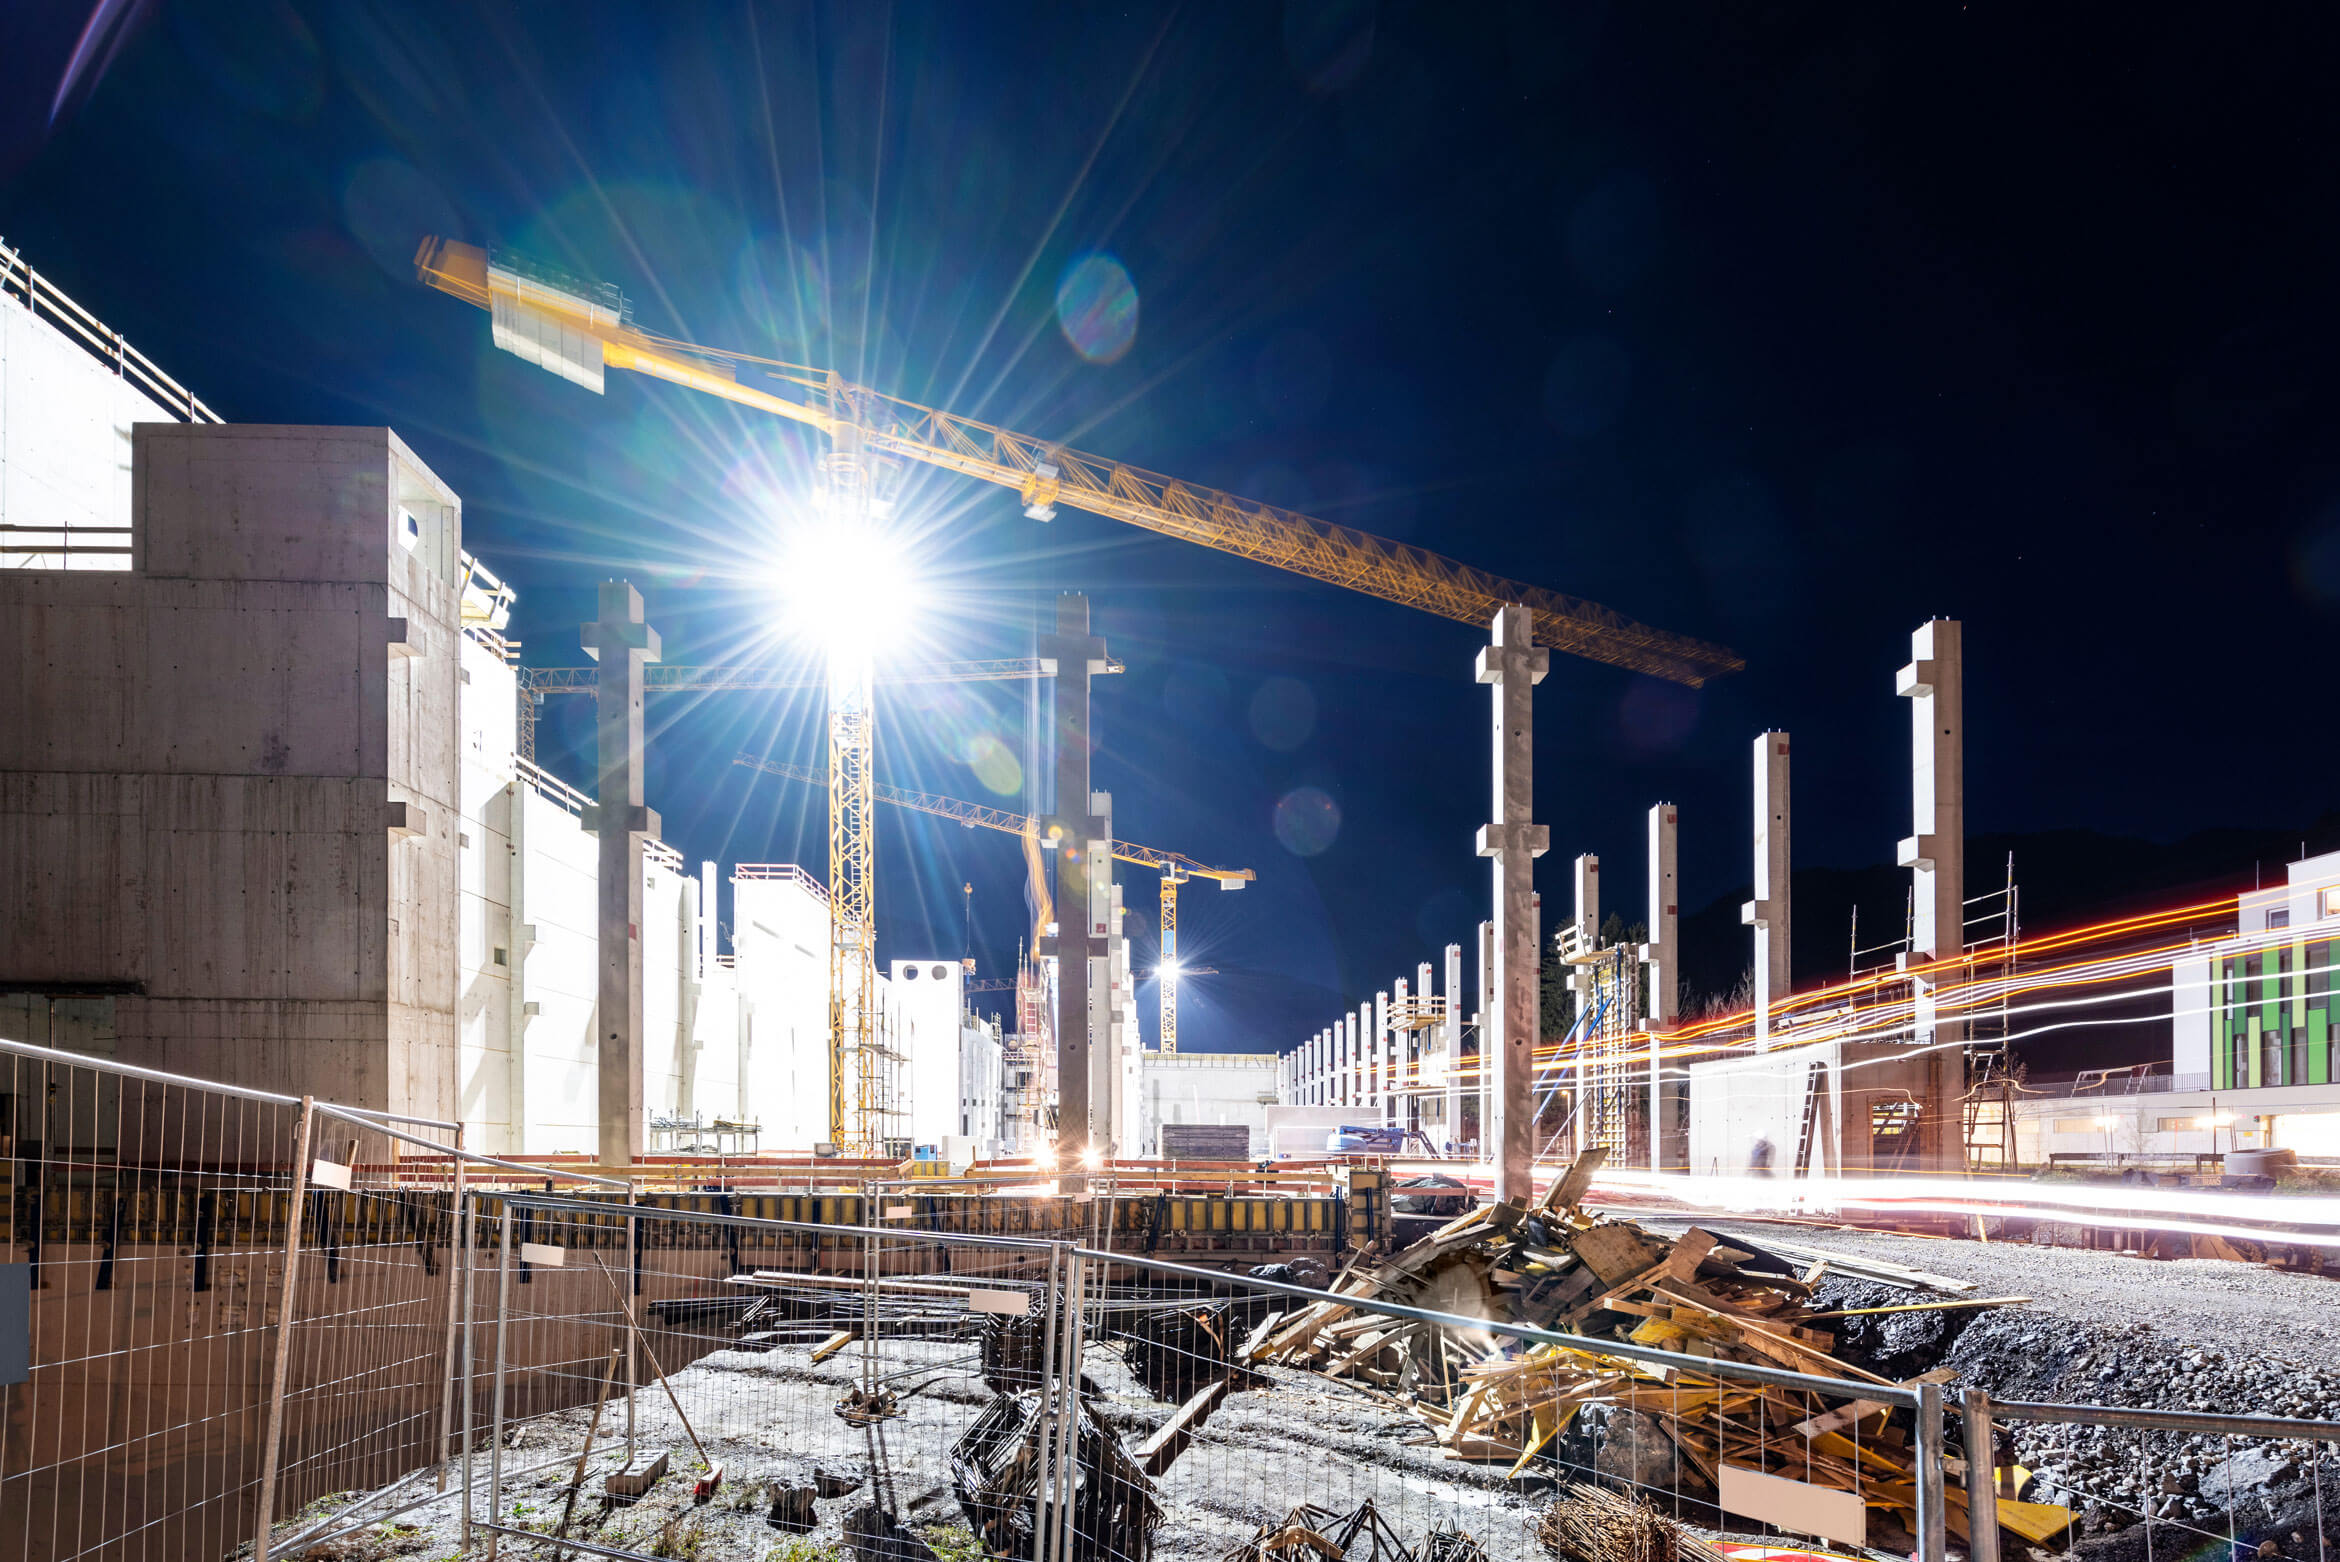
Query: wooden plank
[1691,1251]
[1568,1191]
[833,1344]
[1923,1307]
[1158,1451]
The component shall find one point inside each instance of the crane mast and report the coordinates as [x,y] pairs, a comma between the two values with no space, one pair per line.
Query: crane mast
[1175,868]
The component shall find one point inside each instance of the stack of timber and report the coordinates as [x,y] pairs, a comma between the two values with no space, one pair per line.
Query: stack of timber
[1487,1397]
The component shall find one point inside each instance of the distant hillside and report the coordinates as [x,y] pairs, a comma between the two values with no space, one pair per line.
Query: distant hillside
[2064,878]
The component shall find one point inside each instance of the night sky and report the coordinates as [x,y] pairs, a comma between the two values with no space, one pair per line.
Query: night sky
[1785,326]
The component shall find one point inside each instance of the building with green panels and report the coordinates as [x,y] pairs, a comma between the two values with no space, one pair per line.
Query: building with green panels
[2271,1020]
[2261,1004]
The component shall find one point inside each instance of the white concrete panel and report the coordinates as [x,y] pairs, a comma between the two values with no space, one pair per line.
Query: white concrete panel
[561,979]
[65,448]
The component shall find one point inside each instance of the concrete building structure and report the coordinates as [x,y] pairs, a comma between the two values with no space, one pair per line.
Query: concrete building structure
[1229,1088]
[1669,1085]
[262,819]
[1824,1109]
[228,789]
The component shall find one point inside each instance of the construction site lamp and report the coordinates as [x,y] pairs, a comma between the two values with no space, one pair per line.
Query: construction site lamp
[848,588]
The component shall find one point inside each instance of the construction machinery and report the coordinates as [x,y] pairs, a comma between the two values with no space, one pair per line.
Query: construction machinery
[577,329]
[1174,867]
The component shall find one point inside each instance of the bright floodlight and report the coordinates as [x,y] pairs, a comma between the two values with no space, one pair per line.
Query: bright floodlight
[848,589]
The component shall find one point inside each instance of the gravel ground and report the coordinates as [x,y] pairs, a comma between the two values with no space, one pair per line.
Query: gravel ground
[2194,1301]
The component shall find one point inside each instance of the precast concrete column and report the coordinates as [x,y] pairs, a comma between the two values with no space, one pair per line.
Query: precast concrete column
[1584,925]
[1513,664]
[1768,912]
[1071,656]
[1484,1020]
[1934,683]
[1451,1038]
[1669,1092]
[1384,1063]
[1361,1055]
[622,644]
[1417,1044]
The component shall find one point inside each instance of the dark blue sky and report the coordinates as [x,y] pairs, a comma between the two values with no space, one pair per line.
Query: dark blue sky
[1783,326]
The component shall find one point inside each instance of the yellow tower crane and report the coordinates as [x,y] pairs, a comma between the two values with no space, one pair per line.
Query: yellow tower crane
[1175,868]
[576,329]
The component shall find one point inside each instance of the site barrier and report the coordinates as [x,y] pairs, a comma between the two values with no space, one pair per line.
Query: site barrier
[243,1304]
[237,1302]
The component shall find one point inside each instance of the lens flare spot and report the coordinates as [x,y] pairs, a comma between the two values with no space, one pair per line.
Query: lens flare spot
[995,766]
[1307,821]
[1283,714]
[1097,307]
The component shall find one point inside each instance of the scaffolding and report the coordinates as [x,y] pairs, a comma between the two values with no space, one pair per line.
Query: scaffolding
[1612,1094]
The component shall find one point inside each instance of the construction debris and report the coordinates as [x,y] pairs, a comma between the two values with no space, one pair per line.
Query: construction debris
[1312,1534]
[1587,1523]
[996,1472]
[1481,1396]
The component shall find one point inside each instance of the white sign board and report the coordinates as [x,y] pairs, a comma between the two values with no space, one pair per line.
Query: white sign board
[1795,1505]
[1014,1304]
[542,1253]
[328,1174]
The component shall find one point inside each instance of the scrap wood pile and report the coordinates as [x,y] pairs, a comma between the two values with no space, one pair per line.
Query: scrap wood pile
[1487,1397]
[1587,1523]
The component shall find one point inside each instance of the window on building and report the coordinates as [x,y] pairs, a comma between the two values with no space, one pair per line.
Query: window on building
[2176,1125]
[2332,901]
[2295,1068]
[2271,1055]
[2279,916]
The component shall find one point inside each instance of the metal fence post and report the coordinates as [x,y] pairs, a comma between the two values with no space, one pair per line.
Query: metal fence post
[1933,1535]
[455,1299]
[1044,1471]
[503,1314]
[463,1244]
[1982,1486]
[1068,1406]
[631,1291]
[272,1435]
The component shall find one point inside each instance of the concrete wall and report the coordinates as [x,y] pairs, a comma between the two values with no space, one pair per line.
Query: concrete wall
[1205,1087]
[1739,1103]
[65,463]
[780,933]
[232,715]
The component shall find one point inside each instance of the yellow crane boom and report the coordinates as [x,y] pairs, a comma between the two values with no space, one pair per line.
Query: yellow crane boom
[1174,867]
[575,328]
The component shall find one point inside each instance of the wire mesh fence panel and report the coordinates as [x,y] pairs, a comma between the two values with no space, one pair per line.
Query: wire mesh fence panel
[1260,1415]
[2168,1485]
[790,1378]
[147,1234]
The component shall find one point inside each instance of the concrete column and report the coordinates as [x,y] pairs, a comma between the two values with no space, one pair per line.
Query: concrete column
[1361,1055]
[1417,1045]
[1768,912]
[1450,1038]
[1934,683]
[1384,1064]
[1484,1020]
[1109,1132]
[1669,1148]
[1514,665]
[1072,655]
[622,644]
[1585,924]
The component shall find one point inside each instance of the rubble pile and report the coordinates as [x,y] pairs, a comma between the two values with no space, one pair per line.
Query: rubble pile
[1480,1396]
